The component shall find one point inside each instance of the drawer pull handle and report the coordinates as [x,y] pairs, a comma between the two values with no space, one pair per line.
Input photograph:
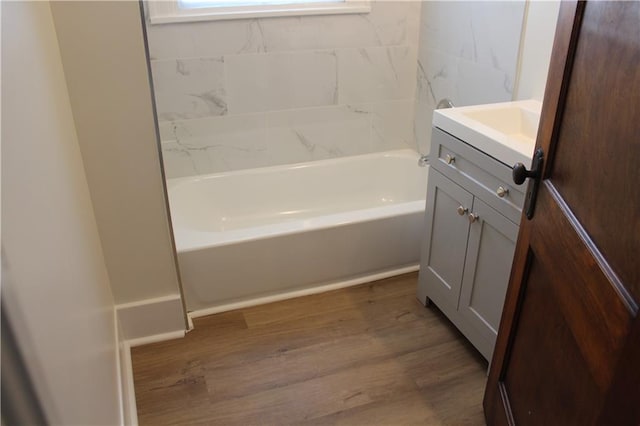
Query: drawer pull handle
[450,159]
[502,191]
[462,210]
[473,217]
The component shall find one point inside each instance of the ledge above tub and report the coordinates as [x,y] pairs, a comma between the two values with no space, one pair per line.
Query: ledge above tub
[506,131]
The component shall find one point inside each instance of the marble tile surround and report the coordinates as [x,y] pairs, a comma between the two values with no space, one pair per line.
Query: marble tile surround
[468,53]
[277,81]
[390,23]
[259,92]
[189,88]
[232,142]
[249,93]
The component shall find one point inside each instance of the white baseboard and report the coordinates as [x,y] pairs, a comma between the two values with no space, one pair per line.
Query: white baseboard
[303,292]
[140,323]
[126,391]
[151,317]
[129,409]
[156,338]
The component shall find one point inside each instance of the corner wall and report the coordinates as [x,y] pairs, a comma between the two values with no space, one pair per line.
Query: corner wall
[540,29]
[104,59]
[55,287]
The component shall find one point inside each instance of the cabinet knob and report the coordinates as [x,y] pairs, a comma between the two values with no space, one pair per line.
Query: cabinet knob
[462,210]
[450,159]
[501,191]
[473,217]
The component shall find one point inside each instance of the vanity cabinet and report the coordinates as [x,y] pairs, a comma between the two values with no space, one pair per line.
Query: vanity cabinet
[472,217]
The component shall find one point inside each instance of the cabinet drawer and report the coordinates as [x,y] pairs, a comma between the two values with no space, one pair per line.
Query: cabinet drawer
[479,172]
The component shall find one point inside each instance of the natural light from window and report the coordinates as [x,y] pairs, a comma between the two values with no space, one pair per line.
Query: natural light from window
[171,11]
[193,4]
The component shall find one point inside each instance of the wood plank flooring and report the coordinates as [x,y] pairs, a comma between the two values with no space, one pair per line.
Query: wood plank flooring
[366,355]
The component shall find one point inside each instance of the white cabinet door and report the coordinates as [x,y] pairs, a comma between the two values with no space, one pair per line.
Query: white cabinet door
[492,239]
[445,242]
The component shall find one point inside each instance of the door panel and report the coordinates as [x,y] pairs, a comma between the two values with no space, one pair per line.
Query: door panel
[594,311]
[492,241]
[534,360]
[440,280]
[594,178]
[567,342]
[571,327]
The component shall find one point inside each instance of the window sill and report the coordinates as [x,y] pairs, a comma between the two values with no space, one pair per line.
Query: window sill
[163,12]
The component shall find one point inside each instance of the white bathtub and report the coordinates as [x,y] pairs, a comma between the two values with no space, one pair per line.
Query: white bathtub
[259,235]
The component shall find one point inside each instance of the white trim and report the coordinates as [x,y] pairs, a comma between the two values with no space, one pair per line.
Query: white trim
[146,340]
[126,390]
[138,303]
[151,317]
[169,11]
[130,410]
[124,366]
[190,322]
[304,292]
[119,369]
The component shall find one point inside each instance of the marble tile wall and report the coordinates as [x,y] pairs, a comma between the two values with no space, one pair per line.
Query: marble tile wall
[468,53]
[258,92]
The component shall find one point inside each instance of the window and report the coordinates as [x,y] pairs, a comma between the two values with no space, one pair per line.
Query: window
[167,11]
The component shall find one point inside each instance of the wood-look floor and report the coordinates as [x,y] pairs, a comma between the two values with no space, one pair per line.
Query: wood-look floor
[366,355]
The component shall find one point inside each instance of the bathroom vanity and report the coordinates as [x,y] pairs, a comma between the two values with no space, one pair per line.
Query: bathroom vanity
[473,212]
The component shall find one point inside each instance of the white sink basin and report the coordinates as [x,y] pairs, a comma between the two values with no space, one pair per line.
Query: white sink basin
[506,131]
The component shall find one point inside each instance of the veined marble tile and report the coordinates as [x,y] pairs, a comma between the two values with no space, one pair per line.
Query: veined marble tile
[214,145]
[392,125]
[389,23]
[422,126]
[437,77]
[189,88]
[204,39]
[167,130]
[178,161]
[413,22]
[498,29]
[486,32]
[463,82]
[203,128]
[376,74]
[267,82]
[318,133]
[482,84]
[446,26]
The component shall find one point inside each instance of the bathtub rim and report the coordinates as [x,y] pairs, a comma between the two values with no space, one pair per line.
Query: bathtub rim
[201,240]
[404,152]
[190,240]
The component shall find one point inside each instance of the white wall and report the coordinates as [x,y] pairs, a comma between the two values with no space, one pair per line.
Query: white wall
[105,65]
[468,53]
[55,285]
[257,92]
[537,43]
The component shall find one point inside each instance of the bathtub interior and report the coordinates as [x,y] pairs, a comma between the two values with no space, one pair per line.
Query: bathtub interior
[240,205]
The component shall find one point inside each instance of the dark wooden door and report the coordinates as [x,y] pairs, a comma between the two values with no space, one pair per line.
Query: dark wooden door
[568,348]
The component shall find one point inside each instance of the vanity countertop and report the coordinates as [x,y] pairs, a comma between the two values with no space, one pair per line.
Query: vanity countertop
[506,131]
